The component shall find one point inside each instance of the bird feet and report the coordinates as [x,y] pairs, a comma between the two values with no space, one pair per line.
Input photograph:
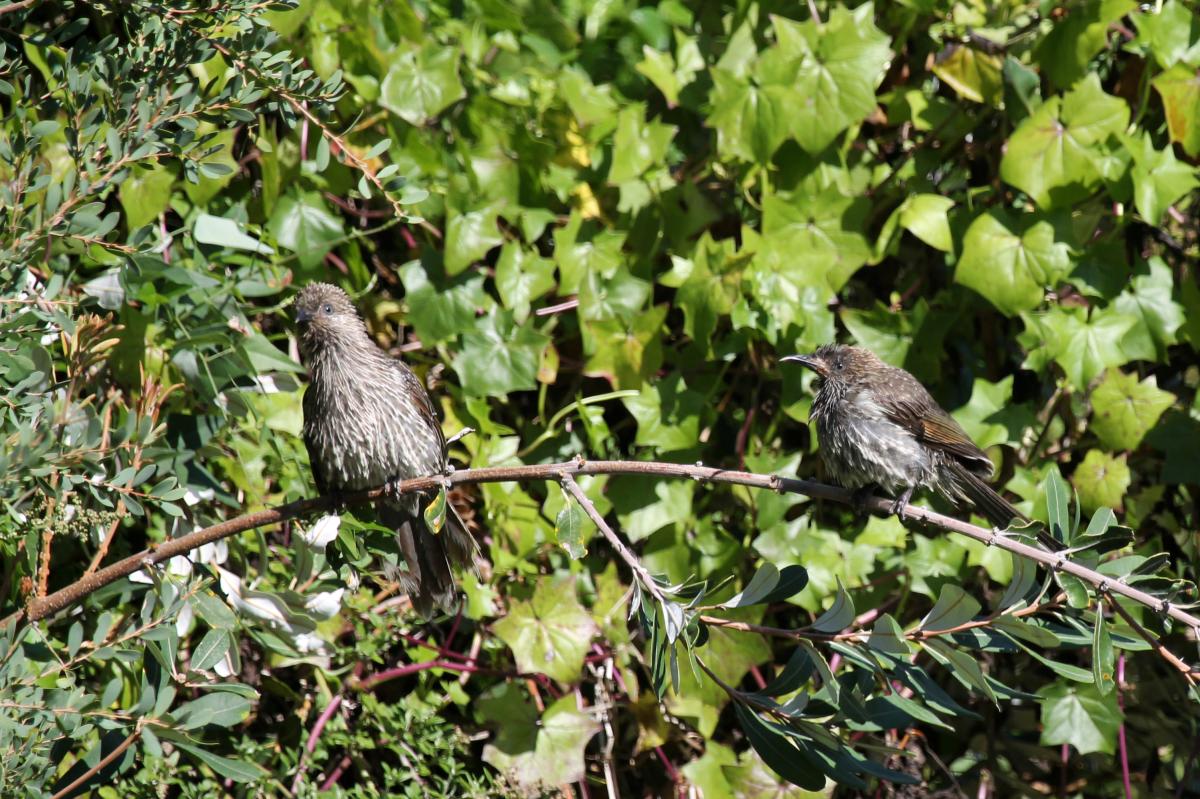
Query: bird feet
[898,507]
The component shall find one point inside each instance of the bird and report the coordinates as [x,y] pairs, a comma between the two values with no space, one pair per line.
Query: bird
[368,421]
[878,426]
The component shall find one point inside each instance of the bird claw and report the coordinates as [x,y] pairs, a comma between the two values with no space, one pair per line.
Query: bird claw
[899,508]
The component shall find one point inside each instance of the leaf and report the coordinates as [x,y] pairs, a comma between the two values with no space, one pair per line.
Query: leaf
[820,234]
[749,121]
[145,194]
[839,615]
[792,580]
[302,223]
[236,770]
[925,216]
[1011,261]
[778,751]
[1124,410]
[1057,511]
[824,76]
[953,608]
[1171,35]
[1158,178]
[760,585]
[667,413]
[1101,480]
[441,312]
[498,357]
[1081,716]
[469,236]
[1149,301]
[435,511]
[1058,155]
[1102,654]
[1083,344]
[794,674]
[1179,88]
[1065,52]
[220,708]
[888,636]
[223,232]
[638,145]
[420,84]
[974,74]
[536,752]
[212,648]
[964,667]
[521,277]
[568,529]
[550,633]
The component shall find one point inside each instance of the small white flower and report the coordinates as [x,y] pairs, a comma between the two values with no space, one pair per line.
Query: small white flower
[353,582]
[183,622]
[214,552]
[224,666]
[320,534]
[191,497]
[325,604]
[259,606]
[179,566]
[309,642]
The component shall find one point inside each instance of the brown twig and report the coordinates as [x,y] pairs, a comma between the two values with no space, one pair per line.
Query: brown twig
[44,606]
[1189,673]
[104,762]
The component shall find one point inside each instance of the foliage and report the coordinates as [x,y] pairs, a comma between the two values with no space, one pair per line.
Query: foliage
[592,229]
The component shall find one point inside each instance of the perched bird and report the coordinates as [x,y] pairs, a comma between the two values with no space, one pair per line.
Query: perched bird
[878,426]
[367,421]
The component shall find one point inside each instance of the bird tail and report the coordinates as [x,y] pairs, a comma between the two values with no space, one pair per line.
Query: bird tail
[430,559]
[995,508]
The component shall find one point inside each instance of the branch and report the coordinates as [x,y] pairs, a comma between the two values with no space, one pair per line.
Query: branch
[104,763]
[42,607]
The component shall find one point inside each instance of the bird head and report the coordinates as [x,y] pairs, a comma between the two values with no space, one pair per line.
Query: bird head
[837,363]
[326,316]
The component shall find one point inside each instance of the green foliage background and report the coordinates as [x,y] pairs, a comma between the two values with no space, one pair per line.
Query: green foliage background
[592,228]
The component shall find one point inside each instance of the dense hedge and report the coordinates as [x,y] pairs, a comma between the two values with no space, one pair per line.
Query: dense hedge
[593,228]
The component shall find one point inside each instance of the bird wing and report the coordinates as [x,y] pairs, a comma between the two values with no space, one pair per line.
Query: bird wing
[918,412]
[412,386]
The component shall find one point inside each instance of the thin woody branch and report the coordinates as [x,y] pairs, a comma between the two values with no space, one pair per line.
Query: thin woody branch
[42,607]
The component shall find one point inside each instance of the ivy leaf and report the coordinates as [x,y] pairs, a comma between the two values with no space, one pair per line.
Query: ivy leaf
[469,237]
[627,353]
[711,289]
[1101,480]
[1124,410]
[1083,345]
[820,233]
[1010,261]
[990,417]
[536,752]
[1058,154]
[975,75]
[439,313]
[302,223]
[826,74]
[1149,301]
[748,121]
[145,194]
[1171,35]
[1179,87]
[521,277]
[550,633]
[498,357]
[637,144]
[1159,179]
[1079,715]
[420,84]
[667,413]
[1067,50]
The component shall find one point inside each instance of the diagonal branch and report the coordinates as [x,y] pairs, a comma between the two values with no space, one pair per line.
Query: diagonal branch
[39,608]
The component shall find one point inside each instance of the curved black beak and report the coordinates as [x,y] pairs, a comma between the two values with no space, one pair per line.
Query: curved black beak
[811,361]
[303,316]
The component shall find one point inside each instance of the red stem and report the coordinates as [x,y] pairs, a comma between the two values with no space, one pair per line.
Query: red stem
[336,773]
[412,668]
[1121,729]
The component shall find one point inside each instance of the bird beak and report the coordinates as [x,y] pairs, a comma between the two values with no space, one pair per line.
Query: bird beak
[303,316]
[811,361]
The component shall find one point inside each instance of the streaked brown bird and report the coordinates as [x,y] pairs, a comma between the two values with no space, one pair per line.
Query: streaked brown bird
[878,426]
[367,421]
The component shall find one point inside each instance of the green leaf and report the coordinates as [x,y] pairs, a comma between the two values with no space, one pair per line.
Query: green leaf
[1101,480]
[1058,513]
[953,608]
[820,234]
[1079,715]
[221,708]
[498,357]
[236,770]
[925,216]
[1083,345]
[1172,35]
[1124,410]
[212,648]
[1012,261]
[302,223]
[1148,300]
[550,633]
[1179,88]
[638,145]
[1159,179]
[1066,51]
[667,413]
[569,529]
[748,120]
[963,666]
[439,313]
[145,194]
[1060,153]
[521,277]
[838,616]
[469,237]
[1103,660]
[888,636]
[222,232]
[761,584]
[974,74]
[435,511]
[420,84]
[824,76]
[779,751]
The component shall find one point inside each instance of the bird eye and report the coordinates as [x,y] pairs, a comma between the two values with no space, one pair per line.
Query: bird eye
[327,308]
[839,364]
